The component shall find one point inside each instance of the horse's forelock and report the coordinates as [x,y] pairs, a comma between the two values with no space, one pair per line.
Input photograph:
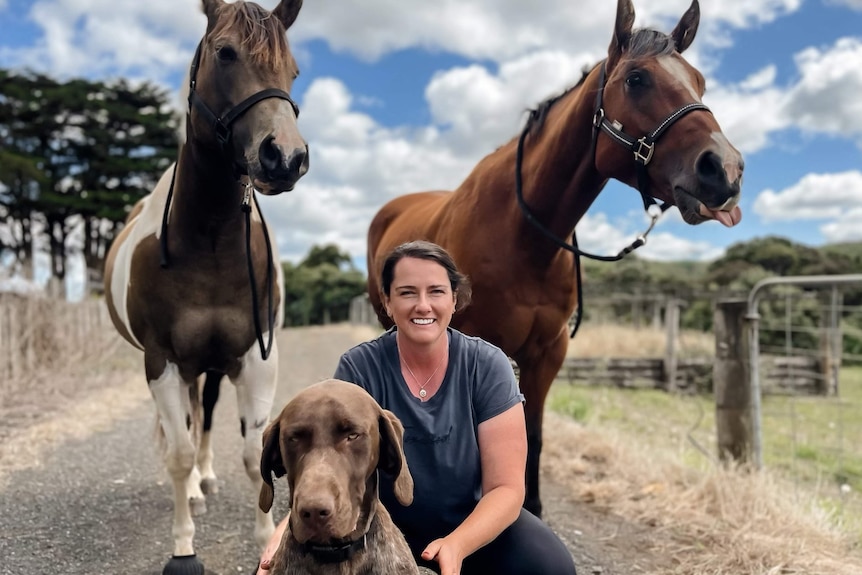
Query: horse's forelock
[262,33]
[645,43]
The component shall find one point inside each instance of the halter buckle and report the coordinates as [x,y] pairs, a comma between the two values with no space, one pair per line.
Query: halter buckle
[598,118]
[644,150]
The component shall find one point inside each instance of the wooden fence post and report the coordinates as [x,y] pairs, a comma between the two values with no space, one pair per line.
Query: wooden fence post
[671,355]
[831,341]
[732,383]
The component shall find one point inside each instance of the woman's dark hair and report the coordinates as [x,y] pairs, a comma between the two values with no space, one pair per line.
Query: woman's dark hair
[425,250]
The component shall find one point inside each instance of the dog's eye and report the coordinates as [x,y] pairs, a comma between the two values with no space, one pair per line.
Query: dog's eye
[352,436]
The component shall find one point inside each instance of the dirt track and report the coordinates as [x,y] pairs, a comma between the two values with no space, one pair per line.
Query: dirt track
[82,490]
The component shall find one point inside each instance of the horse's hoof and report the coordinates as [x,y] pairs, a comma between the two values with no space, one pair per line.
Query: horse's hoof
[209,486]
[198,506]
[185,565]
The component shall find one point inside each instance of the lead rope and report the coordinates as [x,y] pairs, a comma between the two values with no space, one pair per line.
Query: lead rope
[573,247]
[255,306]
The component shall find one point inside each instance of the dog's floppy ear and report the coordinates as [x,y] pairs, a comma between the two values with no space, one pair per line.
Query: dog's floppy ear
[270,463]
[392,459]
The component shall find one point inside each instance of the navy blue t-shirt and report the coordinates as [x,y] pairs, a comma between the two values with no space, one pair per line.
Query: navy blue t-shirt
[441,434]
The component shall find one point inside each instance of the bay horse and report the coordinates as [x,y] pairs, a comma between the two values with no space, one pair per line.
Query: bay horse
[194,278]
[636,117]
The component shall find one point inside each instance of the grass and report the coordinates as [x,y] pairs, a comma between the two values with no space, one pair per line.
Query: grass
[802,514]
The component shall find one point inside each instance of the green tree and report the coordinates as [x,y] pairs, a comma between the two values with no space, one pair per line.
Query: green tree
[77,152]
[319,290]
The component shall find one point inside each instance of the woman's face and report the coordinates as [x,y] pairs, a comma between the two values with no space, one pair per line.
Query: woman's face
[421,301]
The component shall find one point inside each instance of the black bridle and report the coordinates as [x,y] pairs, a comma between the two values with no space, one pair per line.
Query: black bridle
[642,148]
[222,126]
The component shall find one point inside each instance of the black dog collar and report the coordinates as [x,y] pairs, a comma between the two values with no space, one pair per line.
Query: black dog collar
[334,553]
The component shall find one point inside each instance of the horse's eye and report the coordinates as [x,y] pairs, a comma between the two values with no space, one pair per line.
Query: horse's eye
[226,54]
[634,79]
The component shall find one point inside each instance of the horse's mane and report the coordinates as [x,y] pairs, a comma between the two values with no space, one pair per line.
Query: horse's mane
[644,43]
[262,33]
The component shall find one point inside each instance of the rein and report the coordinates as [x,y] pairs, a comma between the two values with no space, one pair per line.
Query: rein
[222,126]
[642,148]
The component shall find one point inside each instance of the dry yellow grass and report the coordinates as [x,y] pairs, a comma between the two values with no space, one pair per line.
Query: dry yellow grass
[711,521]
[607,340]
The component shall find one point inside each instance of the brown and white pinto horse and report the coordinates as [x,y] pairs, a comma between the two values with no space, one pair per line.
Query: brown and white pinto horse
[636,117]
[193,279]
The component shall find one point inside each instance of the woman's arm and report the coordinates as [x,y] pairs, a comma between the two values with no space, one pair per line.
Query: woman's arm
[503,453]
[272,546]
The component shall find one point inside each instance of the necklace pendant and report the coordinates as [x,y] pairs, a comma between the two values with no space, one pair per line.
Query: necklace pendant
[422,393]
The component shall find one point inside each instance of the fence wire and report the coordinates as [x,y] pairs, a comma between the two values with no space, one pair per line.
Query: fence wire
[811,424]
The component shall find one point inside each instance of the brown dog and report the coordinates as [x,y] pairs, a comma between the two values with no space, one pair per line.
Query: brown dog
[330,440]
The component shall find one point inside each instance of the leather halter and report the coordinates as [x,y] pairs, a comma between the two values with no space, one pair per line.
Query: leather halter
[643,149]
[223,125]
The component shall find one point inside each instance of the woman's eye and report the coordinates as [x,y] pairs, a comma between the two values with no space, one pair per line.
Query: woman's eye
[226,54]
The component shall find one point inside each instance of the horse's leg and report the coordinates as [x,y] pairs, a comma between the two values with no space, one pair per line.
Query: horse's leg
[255,391]
[536,376]
[171,395]
[205,451]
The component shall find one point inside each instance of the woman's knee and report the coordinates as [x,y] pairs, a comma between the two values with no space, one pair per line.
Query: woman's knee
[528,546]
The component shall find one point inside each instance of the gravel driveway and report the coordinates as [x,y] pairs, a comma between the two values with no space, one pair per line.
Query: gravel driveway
[83,491]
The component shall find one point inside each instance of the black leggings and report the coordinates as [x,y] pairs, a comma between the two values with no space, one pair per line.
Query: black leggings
[527,547]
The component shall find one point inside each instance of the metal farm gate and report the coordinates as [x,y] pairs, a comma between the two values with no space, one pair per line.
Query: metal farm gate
[805,380]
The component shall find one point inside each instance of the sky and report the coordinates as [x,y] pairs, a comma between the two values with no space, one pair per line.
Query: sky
[400,96]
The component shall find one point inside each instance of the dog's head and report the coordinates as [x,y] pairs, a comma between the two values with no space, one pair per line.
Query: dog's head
[330,440]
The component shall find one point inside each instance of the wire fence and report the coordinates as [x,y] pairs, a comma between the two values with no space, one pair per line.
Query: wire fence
[811,424]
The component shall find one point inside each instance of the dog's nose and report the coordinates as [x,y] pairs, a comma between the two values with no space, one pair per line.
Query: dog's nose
[316,511]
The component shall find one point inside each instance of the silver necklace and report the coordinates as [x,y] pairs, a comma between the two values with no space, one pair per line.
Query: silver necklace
[422,392]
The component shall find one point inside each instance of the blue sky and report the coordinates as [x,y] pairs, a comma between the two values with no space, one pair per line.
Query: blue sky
[401,96]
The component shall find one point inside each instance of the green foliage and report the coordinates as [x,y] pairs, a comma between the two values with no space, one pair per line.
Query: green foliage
[319,290]
[78,151]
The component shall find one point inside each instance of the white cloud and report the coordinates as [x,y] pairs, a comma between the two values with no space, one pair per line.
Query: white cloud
[106,37]
[826,99]
[814,197]
[823,100]
[845,228]
[500,30]
[152,38]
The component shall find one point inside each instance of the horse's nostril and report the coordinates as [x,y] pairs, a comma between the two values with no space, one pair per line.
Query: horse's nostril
[298,161]
[270,155]
[709,166]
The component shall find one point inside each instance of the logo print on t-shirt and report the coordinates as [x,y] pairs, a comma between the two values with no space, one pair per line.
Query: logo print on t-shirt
[412,436]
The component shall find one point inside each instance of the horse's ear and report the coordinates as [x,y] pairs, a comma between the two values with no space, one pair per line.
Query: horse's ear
[683,34]
[210,8]
[270,463]
[287,11]
[622,32]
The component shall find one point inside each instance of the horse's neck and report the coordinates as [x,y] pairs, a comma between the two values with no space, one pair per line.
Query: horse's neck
[558,172]
[207,196]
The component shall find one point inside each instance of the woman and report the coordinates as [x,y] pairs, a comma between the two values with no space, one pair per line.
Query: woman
[465,436]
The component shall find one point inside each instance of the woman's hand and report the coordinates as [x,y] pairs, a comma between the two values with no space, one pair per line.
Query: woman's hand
[268,553]
[447,553]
